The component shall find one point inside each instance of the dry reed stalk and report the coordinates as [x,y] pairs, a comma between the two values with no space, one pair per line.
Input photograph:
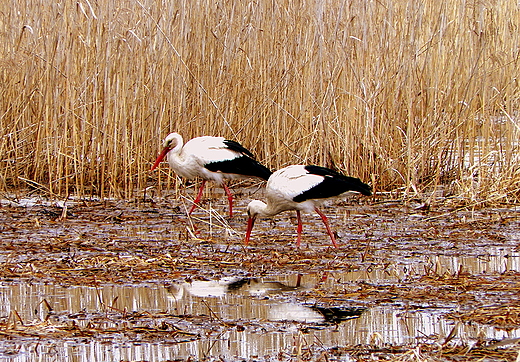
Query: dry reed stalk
[408,94]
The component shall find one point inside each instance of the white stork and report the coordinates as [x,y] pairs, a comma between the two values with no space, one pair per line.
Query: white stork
[302,188]
[211,159]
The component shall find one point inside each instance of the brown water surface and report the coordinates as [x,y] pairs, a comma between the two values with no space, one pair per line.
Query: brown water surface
[123,281]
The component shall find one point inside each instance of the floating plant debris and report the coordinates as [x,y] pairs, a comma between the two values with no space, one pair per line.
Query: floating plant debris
[136,281]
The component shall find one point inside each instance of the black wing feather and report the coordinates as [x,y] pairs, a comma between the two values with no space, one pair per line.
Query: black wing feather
[241,166]
[333,184]
[237,147]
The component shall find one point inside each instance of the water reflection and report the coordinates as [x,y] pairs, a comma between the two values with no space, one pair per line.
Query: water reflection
[277,311]
[218,288]
[294,312]
[496,261]
[252,317]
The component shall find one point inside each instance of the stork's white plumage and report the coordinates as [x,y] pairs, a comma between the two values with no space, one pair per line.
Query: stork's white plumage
[211,159]
[302,188]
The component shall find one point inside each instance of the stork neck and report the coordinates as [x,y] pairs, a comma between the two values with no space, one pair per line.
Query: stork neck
[271,209]
[179,143]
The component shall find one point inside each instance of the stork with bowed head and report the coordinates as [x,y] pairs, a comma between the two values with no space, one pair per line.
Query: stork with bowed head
[211,159]
[302,188]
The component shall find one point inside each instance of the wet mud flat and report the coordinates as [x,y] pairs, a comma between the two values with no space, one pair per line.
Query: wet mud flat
[134,280]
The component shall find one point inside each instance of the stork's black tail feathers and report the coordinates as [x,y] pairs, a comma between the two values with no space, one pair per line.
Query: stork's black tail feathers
[350,183]
[359,186]
[334,184]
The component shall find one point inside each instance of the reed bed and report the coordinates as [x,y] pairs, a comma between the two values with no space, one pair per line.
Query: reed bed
[408,95]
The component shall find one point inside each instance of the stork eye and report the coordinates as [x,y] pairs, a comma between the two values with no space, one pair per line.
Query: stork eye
[170,143]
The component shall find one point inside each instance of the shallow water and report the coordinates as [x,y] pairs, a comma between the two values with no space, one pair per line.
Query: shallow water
[165,305]
[243,317]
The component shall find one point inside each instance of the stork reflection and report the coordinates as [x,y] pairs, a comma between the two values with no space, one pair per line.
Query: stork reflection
[281,298]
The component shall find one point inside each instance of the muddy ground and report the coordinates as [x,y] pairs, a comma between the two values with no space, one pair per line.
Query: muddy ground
[93,242]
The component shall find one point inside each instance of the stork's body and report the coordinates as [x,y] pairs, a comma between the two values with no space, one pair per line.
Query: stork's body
[302,188]
[211,159]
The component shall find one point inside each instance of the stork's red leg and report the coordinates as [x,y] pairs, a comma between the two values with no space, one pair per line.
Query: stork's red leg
[299,229]
[230,199]
[326,222]
[198,198]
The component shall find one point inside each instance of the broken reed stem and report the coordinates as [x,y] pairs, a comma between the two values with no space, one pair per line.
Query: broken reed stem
[401,93]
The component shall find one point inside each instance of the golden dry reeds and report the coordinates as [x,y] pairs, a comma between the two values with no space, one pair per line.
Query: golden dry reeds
[405,94]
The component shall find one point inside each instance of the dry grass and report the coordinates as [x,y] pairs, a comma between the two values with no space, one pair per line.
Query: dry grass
[404,94]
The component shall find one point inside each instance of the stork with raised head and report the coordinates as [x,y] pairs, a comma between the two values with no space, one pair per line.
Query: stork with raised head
[302,188]
[211,159]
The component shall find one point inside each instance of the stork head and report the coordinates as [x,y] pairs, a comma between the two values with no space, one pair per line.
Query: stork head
[172,141]
[254,209]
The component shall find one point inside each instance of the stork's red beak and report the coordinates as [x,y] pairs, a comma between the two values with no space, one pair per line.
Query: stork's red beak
[161,156]
[250,223]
